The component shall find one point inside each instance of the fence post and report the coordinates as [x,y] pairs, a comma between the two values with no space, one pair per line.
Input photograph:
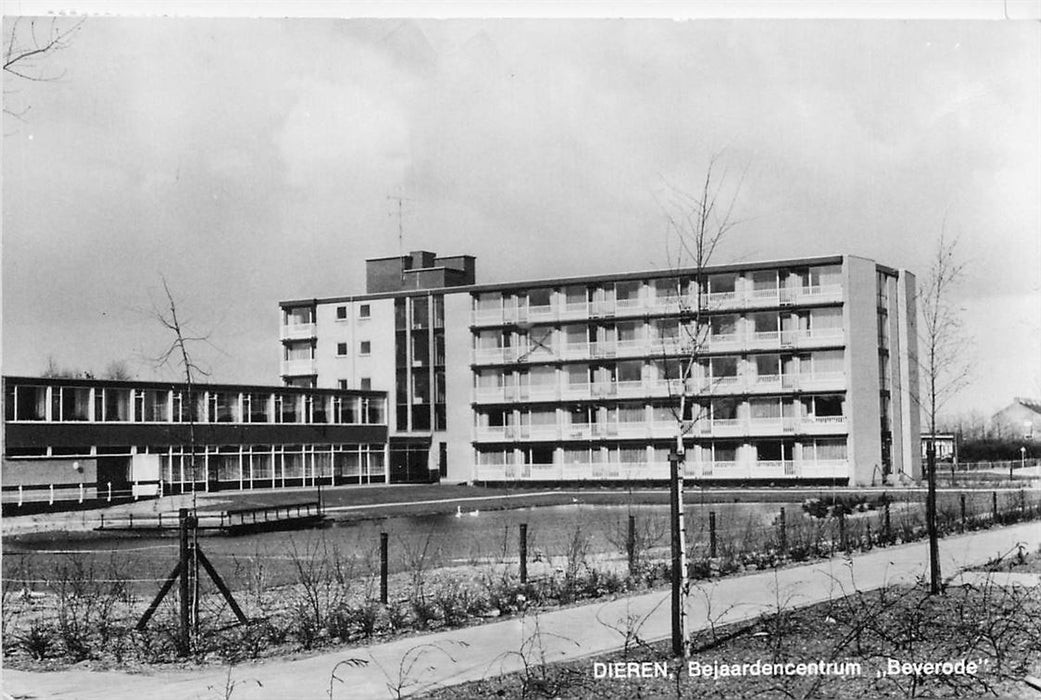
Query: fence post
[963,522]
[19,495]
[712,534]
[1022,501]
[102,521]
[131,521]
[994,504]
[868,525]
[783,534]
[842,530]
[185,589]
[523,552]
[383,568]
[50,500]
[81,493]
[110,492]
[888,525]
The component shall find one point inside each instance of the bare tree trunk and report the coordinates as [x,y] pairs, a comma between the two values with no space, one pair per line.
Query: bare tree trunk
[699,221]
[944,369]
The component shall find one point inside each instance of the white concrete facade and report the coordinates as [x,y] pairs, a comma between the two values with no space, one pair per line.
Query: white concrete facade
[800,371]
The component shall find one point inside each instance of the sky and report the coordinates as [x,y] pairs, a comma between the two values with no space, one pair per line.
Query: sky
[249,161]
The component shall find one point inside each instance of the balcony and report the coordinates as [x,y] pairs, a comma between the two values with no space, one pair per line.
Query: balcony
[494,356]
[721,300]
[573,471]
[724,342]
[595,471]
[807,338]
[493,433]
[819,294]
[770,469]
[823,425]
[820,381]
[298,331]
[486,317]
[297,368]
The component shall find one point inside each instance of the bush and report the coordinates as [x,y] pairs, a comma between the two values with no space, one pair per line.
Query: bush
[425,613]
[37,641]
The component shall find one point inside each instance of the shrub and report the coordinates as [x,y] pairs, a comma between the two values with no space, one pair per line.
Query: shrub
[425,613]
[37,641]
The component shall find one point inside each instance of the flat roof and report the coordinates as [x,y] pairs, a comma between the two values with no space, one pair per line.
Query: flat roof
[582,279]
[196,386]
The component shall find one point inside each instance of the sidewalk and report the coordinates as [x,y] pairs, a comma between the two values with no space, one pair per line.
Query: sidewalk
[476,652]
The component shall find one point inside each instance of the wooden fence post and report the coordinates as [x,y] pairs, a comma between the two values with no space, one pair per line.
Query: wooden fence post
[712,534]
[523,552]
[888,525]
[783,533]
[383,568]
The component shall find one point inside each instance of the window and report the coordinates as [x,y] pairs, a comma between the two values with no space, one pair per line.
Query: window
[627,293]
[341,349]
[341,313]
[364,311]
[366,383]
[299,351]
[366,347]
[723,325]
[342,384]
[540,297]
[30,403]
[722,284]
[301,315]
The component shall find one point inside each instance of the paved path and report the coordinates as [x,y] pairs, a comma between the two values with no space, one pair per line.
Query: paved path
[455,656]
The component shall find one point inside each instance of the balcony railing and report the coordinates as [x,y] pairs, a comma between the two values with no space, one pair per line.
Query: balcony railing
[298,331]
[296,368]
[563,311]
[595,471]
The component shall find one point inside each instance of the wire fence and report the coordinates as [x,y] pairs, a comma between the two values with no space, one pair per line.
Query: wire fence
[84,598]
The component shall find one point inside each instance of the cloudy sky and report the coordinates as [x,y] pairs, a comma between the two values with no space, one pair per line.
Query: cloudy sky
[252,160]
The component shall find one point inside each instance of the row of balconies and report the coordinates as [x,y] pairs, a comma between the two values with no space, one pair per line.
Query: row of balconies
[721,428]
[582,471]
[719,301]
[652,388]
[802,339]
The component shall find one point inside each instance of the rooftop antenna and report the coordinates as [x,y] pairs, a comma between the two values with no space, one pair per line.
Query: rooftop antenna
[401,229]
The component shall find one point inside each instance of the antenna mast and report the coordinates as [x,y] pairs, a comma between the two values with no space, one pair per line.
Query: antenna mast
[401,228]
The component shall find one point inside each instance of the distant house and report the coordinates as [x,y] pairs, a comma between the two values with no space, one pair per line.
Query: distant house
[944,446]
[1021,420]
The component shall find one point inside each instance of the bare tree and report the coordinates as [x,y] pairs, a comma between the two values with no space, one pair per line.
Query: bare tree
[55,371]
[698,222]
[118,370]
[177,354]
[29,42]
[943,368]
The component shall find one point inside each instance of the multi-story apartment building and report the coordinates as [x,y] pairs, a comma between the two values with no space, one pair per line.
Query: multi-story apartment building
[71,439]
[802,370]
